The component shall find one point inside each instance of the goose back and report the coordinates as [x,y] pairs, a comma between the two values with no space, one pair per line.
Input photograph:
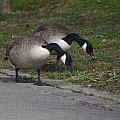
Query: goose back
[48,30]
[53,33]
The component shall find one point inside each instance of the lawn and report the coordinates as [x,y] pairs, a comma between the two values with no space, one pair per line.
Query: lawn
[95,20]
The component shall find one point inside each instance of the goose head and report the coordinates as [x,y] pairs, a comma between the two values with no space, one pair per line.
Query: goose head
[84,44]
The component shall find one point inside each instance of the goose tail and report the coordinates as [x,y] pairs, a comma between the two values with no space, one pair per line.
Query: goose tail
[5,58]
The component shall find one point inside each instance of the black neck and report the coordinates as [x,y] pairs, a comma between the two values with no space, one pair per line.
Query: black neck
[74,37]
[69,41]
[79,40]
[55,47]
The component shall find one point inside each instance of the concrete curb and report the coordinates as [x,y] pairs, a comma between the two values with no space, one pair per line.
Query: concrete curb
[90,91]
[68,86]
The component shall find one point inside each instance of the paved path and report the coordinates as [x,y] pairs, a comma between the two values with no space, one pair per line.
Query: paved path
[26,101]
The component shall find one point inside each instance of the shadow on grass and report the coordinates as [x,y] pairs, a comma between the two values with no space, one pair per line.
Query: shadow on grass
[53,68]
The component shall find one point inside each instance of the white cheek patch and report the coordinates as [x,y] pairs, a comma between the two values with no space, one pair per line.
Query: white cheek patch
[63,58]
[84,46]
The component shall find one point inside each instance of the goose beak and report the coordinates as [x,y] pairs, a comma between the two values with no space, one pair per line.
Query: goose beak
[93,57]
[70,66]
[5,58]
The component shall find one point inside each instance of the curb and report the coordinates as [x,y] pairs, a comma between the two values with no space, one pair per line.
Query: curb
[71,87]
[90,91]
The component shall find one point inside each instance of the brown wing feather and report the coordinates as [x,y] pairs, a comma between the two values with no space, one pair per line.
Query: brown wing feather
[49,29]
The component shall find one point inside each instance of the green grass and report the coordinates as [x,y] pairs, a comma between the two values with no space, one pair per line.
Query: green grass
[95,20]
[26,4]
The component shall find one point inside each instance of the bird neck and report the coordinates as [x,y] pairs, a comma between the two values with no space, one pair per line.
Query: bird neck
[76,38]
[69,41]
[54,46]
[79,40]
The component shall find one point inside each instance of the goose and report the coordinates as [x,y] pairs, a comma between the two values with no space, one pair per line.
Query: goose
[29,53]
[54,33]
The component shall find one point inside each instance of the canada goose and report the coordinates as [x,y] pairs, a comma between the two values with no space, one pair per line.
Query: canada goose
[54,33]
[29,53]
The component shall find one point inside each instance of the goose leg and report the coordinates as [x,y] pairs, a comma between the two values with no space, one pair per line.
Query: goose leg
[39,80]
[39,83]
[16,72]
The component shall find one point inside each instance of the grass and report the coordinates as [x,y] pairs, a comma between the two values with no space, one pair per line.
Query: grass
[95,20]
[25,5]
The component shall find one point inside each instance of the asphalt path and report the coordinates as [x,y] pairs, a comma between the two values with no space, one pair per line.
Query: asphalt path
[26,101]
